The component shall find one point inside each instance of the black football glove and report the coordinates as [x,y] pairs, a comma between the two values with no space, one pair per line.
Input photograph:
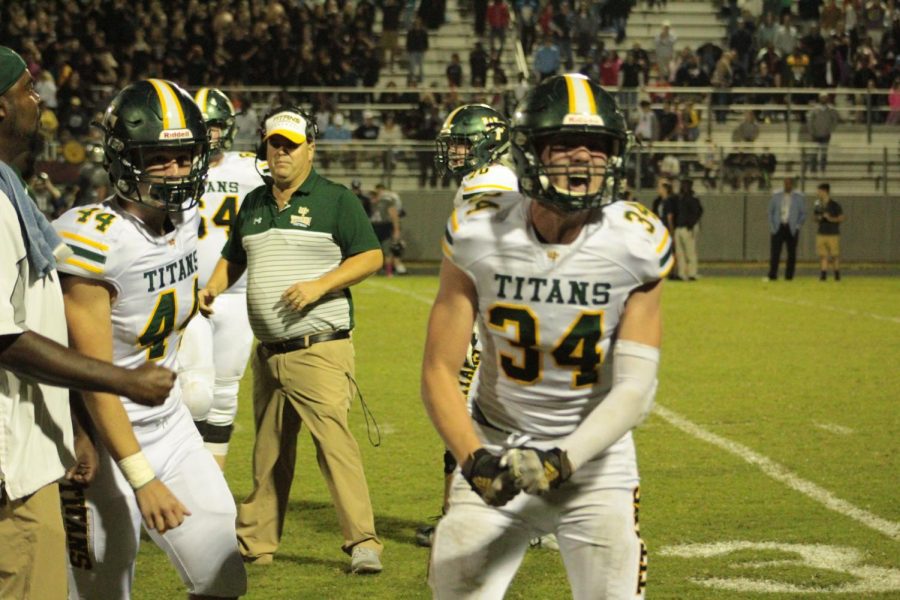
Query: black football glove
[488,478]
[537,471]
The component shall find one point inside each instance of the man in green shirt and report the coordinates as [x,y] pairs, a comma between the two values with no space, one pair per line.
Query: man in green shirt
[303,240]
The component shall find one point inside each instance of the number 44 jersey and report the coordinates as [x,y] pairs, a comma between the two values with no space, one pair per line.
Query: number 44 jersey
[548,312]
[154,281]
[226,185]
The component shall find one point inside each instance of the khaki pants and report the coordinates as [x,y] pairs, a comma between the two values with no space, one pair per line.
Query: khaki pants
[686,251]
[33,559]
[311,387]
[828,246]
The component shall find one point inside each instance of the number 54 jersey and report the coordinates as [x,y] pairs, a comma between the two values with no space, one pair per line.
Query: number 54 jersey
[154,279]
[548,312]
[226,185]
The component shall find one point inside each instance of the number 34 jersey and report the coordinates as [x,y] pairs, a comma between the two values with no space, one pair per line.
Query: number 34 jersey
[226,185]
[548,312]
[154,278]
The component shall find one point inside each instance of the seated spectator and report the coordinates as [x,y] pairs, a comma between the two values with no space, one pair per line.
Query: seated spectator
[747,130]
[690,122]
[709,160]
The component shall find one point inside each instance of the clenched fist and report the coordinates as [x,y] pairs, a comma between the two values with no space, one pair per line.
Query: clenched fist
[488,478]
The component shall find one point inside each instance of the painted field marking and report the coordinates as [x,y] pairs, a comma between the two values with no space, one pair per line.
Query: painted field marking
[429,300]
[839,559]
[782,474]
[833,428]
[768,466]
[846,311]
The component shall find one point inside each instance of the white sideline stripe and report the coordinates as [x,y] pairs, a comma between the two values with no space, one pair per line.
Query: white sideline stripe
[833,428]
[846,311]
[429,300]
[769,467]
[780,473]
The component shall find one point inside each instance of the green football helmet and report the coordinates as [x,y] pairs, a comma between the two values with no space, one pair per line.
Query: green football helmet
[569,111]
[218,111]
[472,136]
[144,118]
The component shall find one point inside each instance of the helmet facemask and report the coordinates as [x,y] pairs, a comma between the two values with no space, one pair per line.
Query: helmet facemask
[128,171]
[570,169]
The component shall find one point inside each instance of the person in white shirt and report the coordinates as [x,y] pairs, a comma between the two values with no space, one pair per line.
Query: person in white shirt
[130,290]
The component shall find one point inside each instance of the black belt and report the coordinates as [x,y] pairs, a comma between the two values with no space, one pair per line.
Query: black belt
[301,343]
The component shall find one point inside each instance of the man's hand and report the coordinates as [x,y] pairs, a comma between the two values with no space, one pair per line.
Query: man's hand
[302,294]
[160,508]
[86,460]
[488,478]
[537,471]
[150,384]
[205,299]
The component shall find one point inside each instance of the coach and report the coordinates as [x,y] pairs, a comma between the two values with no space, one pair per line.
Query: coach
[787,213]
[304,240]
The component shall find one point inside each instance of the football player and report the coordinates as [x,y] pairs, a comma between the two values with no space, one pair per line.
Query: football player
[130,290]
[214,351]
[471,145]
[566,287]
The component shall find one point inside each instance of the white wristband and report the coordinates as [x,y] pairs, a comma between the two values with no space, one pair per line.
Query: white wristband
[137,470]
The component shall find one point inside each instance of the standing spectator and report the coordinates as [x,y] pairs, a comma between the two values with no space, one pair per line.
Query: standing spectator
[585,29]
[787,213]
[721,80]
[688,212]
[385,217]
[765,31]
[663,205]
[618,11]
[527,13]
[416,46]
[664,45]
[631,78]
[829,215]
[742,43]
[454,71]
[498,21]
[785,38]
[478,65]
[547,59]
[669,130]
[390,24]
[36,440]
[829,17]
[821,121]
[303,367]
[690,122]
[609,69]
[561,26]
[479,14]
[646,124]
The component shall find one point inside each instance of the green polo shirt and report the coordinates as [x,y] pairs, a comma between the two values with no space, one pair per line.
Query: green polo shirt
[322,225]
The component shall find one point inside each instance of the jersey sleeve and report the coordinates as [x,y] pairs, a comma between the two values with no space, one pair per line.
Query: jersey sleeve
[650,248]
[489,180]
[468,231]
[90,232]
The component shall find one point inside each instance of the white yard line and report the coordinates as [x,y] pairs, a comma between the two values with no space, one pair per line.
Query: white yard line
[846,311]
[768,466]
[378,283]
[833,428]
[782,474]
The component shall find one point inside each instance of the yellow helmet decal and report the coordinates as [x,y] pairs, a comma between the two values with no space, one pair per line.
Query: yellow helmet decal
[581,98]
[172,115]
[200,99]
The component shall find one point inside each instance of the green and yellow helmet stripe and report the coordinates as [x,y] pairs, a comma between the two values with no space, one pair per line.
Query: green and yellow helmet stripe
[201,98]
[581,98]
[172,115]
[448,122]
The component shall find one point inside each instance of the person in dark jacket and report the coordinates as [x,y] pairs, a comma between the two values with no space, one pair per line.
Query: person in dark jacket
[688,211]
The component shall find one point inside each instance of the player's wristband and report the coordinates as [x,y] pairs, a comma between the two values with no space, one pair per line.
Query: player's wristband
[137,470]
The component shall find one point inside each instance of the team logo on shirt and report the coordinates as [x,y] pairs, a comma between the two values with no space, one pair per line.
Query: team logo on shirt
[301,219]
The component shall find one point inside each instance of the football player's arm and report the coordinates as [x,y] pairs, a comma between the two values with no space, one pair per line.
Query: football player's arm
[89,317]
[351,271]
[224,275]
[636,360]
[449,332]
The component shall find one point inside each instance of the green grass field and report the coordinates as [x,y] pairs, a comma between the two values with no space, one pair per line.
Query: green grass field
[769,468]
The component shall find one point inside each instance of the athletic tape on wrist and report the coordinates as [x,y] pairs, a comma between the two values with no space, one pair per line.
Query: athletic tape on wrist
[137,470]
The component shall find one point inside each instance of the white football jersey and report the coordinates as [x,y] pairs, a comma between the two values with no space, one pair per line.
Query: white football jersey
[227,184]
[488,180]
[547,313]
[155,280]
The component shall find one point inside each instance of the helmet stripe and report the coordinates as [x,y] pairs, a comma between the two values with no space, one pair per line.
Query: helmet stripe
[172,115]
[201,98]
[449,120]
[581,98]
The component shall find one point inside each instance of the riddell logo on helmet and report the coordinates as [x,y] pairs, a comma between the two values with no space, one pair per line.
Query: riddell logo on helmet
[576,119]
[175,134]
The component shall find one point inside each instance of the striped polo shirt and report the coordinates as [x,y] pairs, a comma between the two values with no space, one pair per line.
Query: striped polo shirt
[323,224]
